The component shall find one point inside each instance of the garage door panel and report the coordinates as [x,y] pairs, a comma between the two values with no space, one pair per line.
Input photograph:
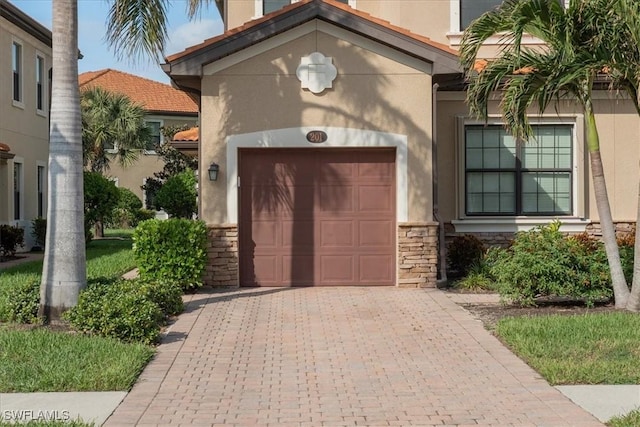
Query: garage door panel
[298,235]
[298,270]
[337,270]
[375,198]
[376,269]
[339,234]
[317,217]
[335,198]
[375,234]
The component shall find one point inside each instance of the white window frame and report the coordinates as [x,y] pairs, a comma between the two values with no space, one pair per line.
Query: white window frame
[20,102]
[20,201]
[575,223]
[259,7]
[156,120]
[455,33]
[41,111]
[43,165]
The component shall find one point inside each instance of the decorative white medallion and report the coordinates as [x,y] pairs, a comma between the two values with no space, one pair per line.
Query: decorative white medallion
[316,72]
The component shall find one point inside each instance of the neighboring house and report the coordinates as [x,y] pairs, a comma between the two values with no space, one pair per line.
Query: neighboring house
[25,46]
[345,147]
[165,106]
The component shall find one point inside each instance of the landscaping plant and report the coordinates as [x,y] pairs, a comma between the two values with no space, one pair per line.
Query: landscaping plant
[464,252]
[171,251]
[10,238]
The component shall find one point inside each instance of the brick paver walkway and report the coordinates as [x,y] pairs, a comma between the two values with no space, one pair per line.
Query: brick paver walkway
[338,357]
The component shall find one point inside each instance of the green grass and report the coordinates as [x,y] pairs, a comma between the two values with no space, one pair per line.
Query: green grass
[597,348]
[42,360]
[632,419]
[125,233]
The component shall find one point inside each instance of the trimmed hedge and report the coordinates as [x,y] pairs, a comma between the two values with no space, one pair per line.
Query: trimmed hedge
[172,250]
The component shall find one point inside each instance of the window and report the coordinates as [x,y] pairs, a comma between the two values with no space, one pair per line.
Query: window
[40,83]
[471,9]
[269,6]
[503,177]
[156,135]
[41,177]
[16,60]
[17,191]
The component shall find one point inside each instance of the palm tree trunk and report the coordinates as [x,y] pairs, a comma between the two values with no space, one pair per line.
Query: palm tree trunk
[633,303]
[620,288]
[64,269]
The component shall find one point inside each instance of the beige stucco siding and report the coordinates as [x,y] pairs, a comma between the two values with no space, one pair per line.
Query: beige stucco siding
[22,127]
[371,92]
[619,129]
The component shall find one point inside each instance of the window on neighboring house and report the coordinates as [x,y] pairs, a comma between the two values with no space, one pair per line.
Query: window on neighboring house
[156,135]
[503,177]
[16,60]
[17,191]
[40,83]
[41,177]
[269,6]
[472,9]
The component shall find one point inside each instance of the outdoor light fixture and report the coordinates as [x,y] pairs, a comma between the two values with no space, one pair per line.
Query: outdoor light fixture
[213,172]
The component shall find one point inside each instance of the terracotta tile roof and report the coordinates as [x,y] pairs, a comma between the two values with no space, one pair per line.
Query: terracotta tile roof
[4,147]
[300,4]
[153,96]
[187,135]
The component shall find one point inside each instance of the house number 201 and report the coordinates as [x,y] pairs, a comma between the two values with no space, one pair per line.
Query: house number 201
[316,136]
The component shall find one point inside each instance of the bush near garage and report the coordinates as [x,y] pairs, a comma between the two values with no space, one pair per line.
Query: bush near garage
[10,238]
[464,253]
[173,250]
[544,262]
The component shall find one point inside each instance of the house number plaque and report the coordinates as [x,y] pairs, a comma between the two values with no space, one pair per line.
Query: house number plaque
[317,136]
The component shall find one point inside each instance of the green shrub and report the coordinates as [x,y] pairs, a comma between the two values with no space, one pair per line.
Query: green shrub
[167,295]
[543,262]
[20,303]
[143,215]
[39,231]
[10,238]
[100,198]
[178,195]
[171,251]
[465,252]
[118,310]
[125,213]
[478,278]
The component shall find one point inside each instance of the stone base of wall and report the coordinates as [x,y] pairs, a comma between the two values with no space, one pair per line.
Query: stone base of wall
[623,229]
[222,256]
[417,254]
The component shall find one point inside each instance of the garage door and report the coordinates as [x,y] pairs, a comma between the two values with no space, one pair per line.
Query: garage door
[317,217]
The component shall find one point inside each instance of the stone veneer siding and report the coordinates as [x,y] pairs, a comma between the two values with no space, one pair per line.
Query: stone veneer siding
[222,256]
[417,254]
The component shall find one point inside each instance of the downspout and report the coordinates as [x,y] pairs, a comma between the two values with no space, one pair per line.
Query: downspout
[442,247]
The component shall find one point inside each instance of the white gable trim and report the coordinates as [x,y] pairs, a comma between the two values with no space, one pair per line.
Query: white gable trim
[324,27]
[337,137]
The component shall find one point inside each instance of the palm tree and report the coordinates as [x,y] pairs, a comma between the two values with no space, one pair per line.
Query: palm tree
[566,67]
[111,121]
[64,269]
[135,27]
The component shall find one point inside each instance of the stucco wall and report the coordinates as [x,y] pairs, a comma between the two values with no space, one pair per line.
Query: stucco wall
[371,92]
[619,129]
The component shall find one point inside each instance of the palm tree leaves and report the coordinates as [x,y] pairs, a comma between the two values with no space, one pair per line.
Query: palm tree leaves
[112,124]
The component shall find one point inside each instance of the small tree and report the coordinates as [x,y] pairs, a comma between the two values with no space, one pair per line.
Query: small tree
[126,211]
[178,196]
[174,163]
[100,197]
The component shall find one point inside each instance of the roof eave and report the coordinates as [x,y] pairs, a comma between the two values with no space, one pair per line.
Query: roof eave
[23,21]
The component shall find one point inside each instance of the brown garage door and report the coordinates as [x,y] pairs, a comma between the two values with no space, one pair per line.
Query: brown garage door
[313,217]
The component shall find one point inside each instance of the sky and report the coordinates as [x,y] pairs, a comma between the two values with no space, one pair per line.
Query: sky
[91,30]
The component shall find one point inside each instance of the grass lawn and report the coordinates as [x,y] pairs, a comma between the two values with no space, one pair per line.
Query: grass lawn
[42,360]
[598,348]
[632,419]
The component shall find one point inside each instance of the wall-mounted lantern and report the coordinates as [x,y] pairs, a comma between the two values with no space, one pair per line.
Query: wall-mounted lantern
[213,171]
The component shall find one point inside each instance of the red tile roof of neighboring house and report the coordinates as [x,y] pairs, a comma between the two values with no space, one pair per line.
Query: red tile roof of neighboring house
[4,147]
[300,4]
[153,96]
[187,135]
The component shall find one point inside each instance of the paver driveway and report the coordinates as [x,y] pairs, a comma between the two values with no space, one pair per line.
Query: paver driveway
[338,357]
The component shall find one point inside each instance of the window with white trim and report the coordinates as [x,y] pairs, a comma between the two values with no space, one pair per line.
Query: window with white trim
[40,84]
[16,64]
[505,177]
[18,191]
[268,6]
[41,177]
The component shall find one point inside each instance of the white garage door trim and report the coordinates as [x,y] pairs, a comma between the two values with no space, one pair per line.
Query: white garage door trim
[336,137]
